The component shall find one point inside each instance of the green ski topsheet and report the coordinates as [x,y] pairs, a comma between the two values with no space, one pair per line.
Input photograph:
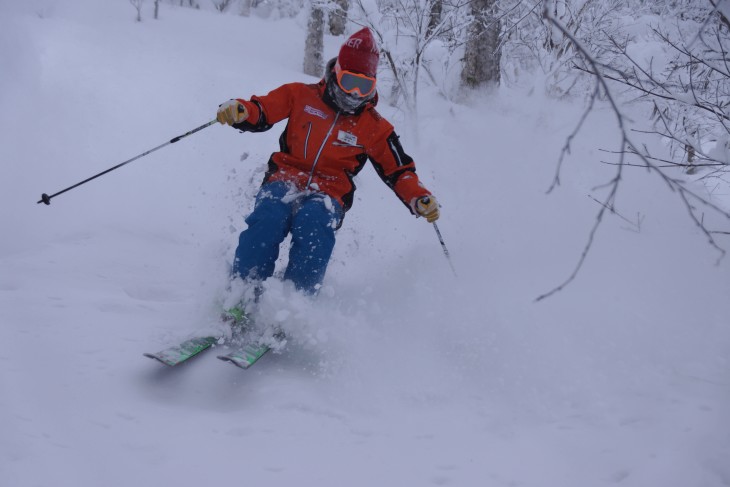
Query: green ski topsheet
[180,353]
[246,356]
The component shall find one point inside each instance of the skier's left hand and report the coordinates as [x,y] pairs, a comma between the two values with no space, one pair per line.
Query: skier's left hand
[427,207]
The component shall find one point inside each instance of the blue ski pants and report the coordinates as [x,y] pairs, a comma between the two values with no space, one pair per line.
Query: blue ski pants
[311,218]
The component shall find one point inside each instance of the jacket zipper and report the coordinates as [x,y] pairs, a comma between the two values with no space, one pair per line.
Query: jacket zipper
[306,140]
[321,148]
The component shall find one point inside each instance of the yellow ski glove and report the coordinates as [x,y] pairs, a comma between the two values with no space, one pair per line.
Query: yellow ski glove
[428,208]
[232,112]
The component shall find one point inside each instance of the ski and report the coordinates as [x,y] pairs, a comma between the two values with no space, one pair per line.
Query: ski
[249,353]
[188,349]
[245,356]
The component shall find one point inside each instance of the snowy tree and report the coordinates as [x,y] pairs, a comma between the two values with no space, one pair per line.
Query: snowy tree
[483,48]
[406,29]
[689,93]
[437,8]
[221,5]
[314,44]
[137,4]
[244,8]
[536,50]
[338,16]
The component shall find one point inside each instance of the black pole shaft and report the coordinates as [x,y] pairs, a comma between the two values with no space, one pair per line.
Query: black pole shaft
[47,199]
[443,246]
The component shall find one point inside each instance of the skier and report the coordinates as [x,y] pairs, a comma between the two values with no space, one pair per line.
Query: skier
[332,130]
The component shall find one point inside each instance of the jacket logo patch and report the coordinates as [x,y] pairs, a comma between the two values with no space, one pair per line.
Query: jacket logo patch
[347,138]
[315,111]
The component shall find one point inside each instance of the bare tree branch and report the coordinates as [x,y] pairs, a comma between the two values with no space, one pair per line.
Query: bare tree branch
[687,196]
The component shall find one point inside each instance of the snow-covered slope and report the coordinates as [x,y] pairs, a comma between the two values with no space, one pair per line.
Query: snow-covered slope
[399,373]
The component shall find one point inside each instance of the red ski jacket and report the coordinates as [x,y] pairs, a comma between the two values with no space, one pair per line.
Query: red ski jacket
[322,149]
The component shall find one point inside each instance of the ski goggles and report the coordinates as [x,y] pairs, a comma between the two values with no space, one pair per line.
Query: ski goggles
[351,82]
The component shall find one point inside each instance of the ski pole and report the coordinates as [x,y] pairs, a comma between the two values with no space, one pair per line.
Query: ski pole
[47,199]
[443,246]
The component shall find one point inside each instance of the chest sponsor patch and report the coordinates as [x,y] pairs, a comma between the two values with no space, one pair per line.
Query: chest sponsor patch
[315,111]
[346,138]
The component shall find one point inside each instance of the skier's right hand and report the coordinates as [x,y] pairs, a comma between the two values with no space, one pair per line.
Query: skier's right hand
[232,112]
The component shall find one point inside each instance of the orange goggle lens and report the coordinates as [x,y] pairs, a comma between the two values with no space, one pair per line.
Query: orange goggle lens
[354,82]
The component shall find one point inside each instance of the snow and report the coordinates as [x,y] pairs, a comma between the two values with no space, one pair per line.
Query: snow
[399,373]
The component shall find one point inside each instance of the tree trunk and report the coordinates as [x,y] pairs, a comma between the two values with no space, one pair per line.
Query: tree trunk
[314,46]
[437,7]
[137,4]
[245,8]
[483,52]
[338,17]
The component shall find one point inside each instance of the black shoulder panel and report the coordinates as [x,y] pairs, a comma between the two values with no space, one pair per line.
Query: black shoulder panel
[401,158]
